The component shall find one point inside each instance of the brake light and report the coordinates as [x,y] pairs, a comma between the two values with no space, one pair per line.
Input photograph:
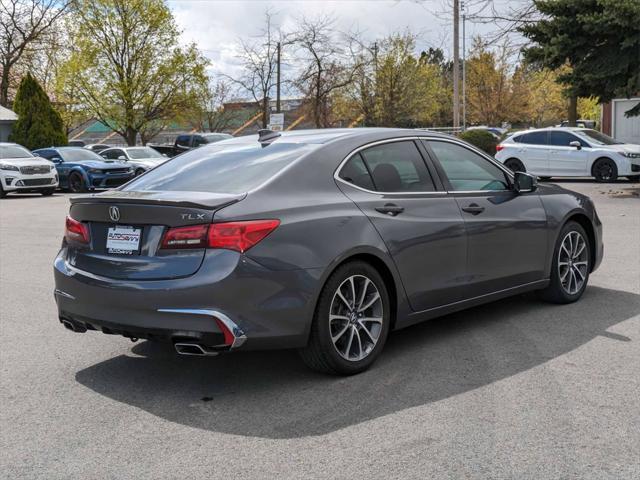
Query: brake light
[499,147]
[238,236]
[192,236]
[75,231]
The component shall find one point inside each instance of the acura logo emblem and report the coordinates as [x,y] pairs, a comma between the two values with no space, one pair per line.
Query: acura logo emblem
[114,213]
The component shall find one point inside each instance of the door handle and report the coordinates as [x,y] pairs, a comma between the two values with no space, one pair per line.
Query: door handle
[473,209]
[390,209]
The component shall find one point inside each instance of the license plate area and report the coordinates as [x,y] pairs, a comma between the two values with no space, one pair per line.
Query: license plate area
[123,240]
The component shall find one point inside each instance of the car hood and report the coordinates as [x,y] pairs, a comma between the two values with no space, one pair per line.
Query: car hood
[103,165]
[23,162]
[623,147]
[149,161]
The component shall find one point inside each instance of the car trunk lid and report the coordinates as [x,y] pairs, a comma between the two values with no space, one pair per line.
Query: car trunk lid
[126,230]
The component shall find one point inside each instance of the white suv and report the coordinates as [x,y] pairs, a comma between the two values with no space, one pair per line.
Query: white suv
[20,171]
[570,152]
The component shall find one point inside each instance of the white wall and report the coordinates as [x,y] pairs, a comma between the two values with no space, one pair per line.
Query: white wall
[623,128]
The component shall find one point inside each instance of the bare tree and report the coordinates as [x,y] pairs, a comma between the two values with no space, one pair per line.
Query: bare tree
[210,113]
[23,25]
[259,64]
[325,66]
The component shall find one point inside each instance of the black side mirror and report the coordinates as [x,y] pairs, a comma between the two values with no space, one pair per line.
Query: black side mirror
[576,144]
[524,182]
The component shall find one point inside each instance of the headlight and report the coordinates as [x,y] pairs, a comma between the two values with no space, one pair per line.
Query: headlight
[13,168]
[52,167]
[95,170]
[630,154]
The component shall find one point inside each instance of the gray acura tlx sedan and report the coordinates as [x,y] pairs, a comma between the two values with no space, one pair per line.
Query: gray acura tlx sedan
[321,240]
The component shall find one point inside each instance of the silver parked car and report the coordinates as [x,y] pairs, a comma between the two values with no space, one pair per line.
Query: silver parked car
[570,152]
[140,158]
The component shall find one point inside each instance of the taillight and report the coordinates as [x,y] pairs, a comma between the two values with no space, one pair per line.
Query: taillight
[76,231]
[238,236]
[193,236]
[499,147]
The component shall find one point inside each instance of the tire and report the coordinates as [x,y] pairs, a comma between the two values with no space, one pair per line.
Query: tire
[139,172]
[48,192]
[560,288]
[356,343]
[2,192]
[76,183]
[515,165]
[634,179]
[604,170]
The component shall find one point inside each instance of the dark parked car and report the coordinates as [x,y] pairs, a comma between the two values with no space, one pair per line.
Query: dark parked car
[322,240]
[80,169]
[188,141]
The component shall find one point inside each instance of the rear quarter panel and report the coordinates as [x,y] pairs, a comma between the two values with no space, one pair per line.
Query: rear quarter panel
[320,227]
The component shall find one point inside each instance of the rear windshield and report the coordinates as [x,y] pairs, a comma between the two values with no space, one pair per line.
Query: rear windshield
[231,168]
[14,151]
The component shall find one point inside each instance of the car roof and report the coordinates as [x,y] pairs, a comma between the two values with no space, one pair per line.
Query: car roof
[326,135]
[548,129]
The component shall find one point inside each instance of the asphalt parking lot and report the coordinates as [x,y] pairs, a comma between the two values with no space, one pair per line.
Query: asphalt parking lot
[516,389]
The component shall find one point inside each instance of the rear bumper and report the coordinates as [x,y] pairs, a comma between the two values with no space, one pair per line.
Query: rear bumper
[264,308]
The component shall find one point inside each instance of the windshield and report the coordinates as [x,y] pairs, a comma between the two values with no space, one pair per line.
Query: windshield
[14,151]
[79,154]
[231,168]
[137,153]
[597,138]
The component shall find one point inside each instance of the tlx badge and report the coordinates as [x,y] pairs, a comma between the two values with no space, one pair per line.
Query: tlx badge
[192,216]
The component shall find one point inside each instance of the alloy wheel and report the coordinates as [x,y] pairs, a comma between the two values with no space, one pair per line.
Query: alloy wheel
[573,263]
[355,318]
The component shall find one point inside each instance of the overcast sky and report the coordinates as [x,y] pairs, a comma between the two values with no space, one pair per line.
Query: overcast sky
[216,25]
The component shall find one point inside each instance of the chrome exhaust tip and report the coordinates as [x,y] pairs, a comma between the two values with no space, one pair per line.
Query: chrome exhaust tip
[193,349]
[74,327]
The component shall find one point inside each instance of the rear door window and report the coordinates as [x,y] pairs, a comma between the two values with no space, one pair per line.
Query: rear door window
[235,168]
[397,167]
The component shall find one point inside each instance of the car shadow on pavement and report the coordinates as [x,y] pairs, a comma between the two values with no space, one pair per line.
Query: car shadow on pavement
[272,394]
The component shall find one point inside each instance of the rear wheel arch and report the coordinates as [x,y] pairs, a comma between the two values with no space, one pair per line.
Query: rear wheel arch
[381,267]
[512,160]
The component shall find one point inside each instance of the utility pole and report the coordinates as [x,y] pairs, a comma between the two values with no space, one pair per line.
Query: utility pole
[456,67]
[464,68]
[278,79]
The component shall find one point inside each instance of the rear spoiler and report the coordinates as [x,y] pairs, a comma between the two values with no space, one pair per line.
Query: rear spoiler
[207,201]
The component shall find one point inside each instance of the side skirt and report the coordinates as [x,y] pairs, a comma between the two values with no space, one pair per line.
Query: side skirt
[418,317]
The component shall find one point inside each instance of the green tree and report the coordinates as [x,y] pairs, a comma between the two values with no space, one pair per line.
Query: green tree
[406,89]
[495,94]
[130,70]
[38,125]
[598,39]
